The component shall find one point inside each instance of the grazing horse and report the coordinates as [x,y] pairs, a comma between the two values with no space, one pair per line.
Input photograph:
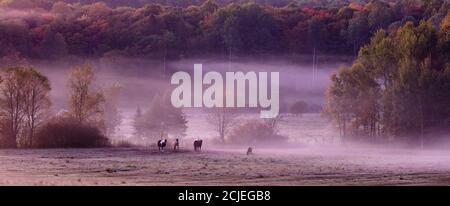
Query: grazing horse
[176,145]
[162,144]
[198,145]
[249,151]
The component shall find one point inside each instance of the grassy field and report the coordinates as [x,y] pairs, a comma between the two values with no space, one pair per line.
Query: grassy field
[144,166]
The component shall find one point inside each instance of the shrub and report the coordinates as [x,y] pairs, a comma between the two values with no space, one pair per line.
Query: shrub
[298,107]
[67,133]
[122,143]
[254,132]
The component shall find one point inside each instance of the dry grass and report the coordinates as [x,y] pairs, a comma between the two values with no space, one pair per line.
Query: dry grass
[144,166]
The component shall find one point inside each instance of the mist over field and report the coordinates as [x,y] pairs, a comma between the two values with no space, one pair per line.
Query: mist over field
[85,93]
[143,79]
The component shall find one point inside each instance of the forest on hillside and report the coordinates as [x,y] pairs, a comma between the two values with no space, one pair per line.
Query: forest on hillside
[50,30]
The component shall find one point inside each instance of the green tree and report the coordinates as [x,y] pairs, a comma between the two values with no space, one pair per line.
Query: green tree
[85,103]
[380,15]
[357,31]
[162,119]
[53,45]
[397,85]
[244,28]
[352,101]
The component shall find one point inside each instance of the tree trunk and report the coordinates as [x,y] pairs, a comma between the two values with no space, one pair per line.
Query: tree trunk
[344,131]
[421,121]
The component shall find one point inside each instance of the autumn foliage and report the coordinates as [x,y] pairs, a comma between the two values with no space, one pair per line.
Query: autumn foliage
[174,29]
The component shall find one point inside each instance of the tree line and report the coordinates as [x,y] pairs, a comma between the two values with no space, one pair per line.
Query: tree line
[59,29]
[398,87]
[27,119]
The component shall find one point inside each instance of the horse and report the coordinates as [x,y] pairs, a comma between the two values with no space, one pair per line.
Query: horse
[162,144]
[198,145]
[176,145]
[249,151]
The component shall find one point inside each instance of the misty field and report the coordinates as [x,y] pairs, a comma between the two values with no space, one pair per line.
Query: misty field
[299,166]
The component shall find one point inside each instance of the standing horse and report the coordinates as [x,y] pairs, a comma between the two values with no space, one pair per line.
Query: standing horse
[162,144]
[198,145]
[176,145]
[249,151]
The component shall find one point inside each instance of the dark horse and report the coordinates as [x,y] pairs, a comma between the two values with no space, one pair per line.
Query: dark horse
[162,144]
[176,145]
[198,144]
[249,151]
